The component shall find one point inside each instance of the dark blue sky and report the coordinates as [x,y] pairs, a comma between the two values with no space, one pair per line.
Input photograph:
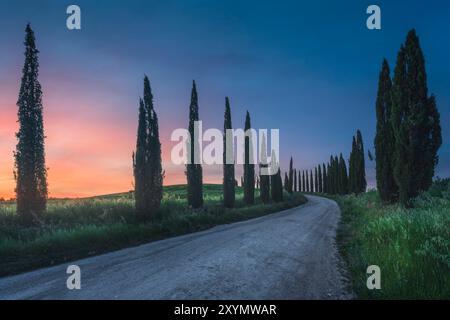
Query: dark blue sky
[309,68]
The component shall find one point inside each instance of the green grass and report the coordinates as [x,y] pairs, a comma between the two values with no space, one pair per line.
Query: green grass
[79,228]
[411,246]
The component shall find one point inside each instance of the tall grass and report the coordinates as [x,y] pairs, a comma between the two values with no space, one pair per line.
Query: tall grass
[79,228]
[411,246]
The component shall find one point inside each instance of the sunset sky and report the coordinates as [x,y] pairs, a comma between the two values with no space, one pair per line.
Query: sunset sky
[309,69]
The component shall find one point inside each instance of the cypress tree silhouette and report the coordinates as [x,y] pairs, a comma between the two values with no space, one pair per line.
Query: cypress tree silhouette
[276,184]
[343,178]
[30,170]
[361,182]
[295,180]
[249,168]
[264,179]
[286,181]
[384,138]
[291,177]
[140,162]
[336,175]
[148,174]
[300,187]
[325,178]
[303,181]
[330,173]
[319,170]
[311,182]
[316,180]
[194,170]
[228,168]
[307,181]
[352,184]
[415,122]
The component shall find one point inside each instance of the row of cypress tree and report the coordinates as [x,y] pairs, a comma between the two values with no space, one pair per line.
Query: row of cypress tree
[333,178]
[148,170]
[408,131]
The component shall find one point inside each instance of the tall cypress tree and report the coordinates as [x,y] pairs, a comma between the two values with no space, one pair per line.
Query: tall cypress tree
[325,178]
[330,182]
[291,177]
[147,164]
[276,183]
[316,180]
[415,121]
[264,179]
[319,170]
[337,175]
[228,168]
[286,181]
[30,169]
[249,168]
[343,178]
[294,189]
[307,181]
[352,168]
[303,181]
[140,163]
[311,181]
[194,170]
[300,181]
[155,172]
[360,163]
[384,138]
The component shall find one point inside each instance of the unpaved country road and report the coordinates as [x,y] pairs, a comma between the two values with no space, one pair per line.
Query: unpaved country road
[287,255]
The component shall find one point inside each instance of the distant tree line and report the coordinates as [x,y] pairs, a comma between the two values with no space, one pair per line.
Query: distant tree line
[334,177]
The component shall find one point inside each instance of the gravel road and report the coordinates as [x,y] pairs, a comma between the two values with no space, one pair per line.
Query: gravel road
[287,255]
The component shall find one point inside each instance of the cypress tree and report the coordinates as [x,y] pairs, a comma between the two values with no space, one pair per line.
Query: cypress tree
[286,181]
[316,180]
[319,169]
[384,138]
[330,176]
[264,179]
[228,168]
[249,168]
[291,177]
[155,172]
[300,181]
[352,168]
[336,174]
[311,181]
[325,178]
[30,170]
[303,181]
[360,164]
[194,170]
[343,178]
[415,122]
[308,183]
[140,163]
[295,180]
[276,185]
[147,165]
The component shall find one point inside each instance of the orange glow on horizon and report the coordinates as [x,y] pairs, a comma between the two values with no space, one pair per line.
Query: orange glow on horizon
[84,159]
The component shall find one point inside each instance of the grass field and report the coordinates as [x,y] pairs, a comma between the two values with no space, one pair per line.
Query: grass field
[411,247]
[77,228]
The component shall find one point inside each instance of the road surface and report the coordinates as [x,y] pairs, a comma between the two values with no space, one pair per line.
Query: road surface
[287,255]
